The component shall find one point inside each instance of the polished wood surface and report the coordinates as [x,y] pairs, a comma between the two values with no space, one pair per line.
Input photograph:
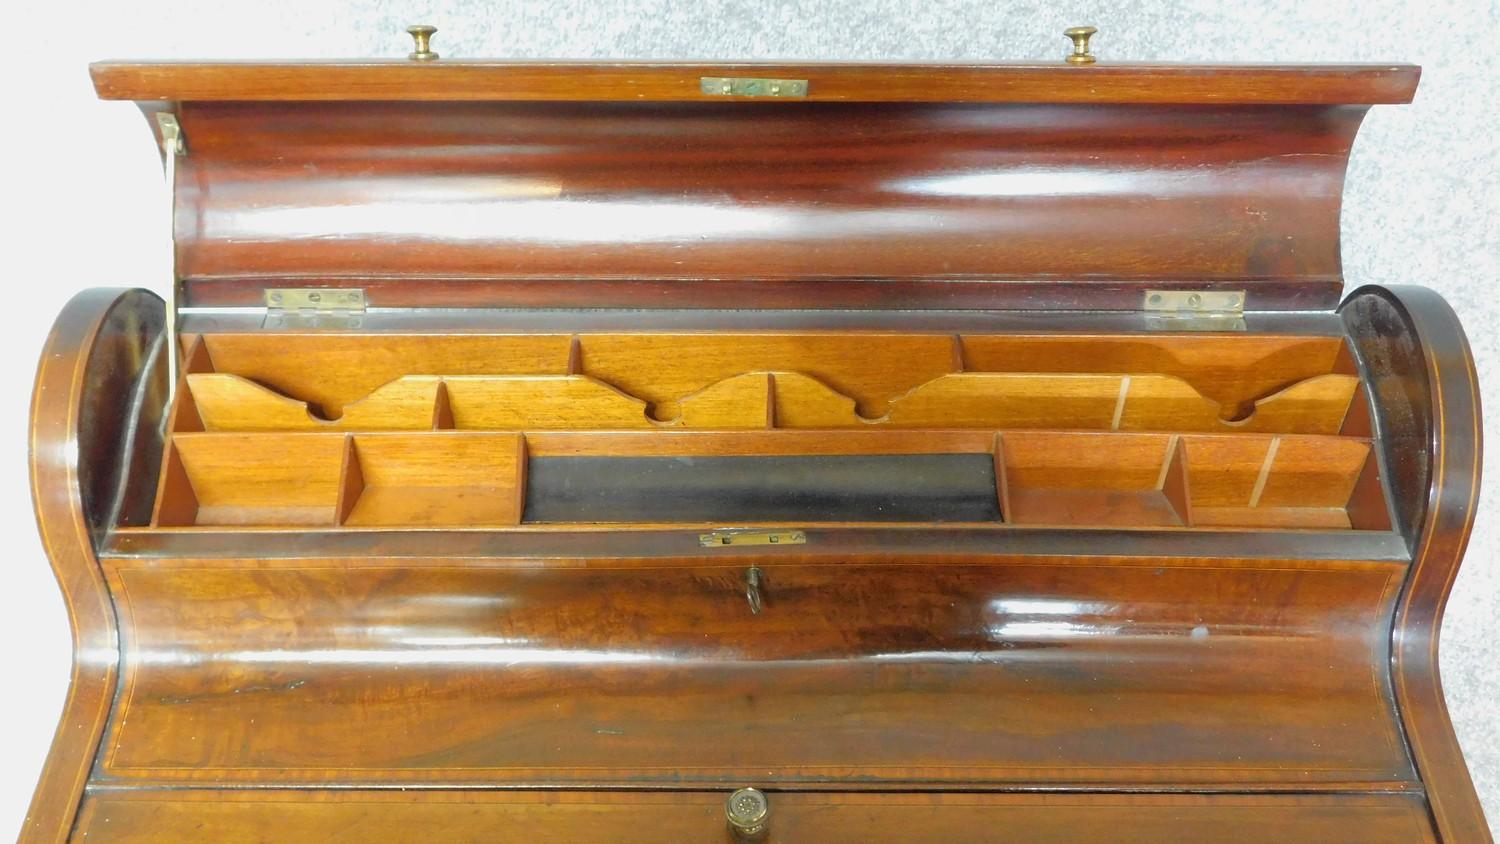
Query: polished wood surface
[472,479]
[1428,406]
[102,352]
[391,818]
[850,82]
[720,205]
[830,447]
[778,379]
[1058,672]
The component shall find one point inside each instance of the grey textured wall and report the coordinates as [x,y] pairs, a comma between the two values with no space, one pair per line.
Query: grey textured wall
[1420,202]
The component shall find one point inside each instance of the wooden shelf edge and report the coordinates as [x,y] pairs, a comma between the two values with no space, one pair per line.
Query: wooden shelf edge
[1328,84]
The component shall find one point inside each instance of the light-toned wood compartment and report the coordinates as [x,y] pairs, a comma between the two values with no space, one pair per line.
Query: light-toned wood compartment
[436,481]
[1113,480]
[1042,478]
[1252,383]
[1285,482]
[254,479]
[1187,480]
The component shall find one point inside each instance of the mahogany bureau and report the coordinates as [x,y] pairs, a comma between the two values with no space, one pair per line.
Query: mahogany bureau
[800,453]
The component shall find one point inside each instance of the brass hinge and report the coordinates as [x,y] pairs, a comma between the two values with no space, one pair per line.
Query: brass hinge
[173,146]
[314,307]
[721,538]
[1196,310]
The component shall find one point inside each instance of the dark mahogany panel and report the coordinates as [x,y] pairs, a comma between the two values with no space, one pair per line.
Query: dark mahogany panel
[881,205]
[1044,672]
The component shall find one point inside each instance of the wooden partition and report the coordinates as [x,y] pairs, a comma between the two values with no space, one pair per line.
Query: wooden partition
[1141,431]
[995,478]
[1211,383]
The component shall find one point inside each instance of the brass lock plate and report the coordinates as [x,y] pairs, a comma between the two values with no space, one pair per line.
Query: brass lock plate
[723,538]
[741,86]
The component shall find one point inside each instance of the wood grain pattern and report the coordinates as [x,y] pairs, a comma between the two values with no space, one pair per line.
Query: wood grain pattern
[257,480]
[1047,672]
[816,380]
[333,371]
[662,368]
[470,80]
[103,349]
[438,482]
[1427,399]
[541,402]
[477,479]
[226,402]
[593,818]
[1208,608]
[1149,402]
[1081,479]
[1226,368]
[639,203]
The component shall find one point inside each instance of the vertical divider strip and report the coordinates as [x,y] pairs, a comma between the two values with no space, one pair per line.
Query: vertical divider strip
[1002,483]
[176,500]
[442,409]
[575,356]
[184,415]
[522,461]
[1356,421]
[351,481]
[770,400]
[1174,480]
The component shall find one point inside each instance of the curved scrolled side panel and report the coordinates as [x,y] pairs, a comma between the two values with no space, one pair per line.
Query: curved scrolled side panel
[95,447]
[1426,402]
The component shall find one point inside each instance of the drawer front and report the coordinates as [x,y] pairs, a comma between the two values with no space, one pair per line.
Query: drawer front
[880,676]
[626,818]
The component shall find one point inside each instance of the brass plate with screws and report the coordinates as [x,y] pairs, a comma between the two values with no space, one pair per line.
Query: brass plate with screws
[721,538]
[315,298]
[1197,302]
[739,86]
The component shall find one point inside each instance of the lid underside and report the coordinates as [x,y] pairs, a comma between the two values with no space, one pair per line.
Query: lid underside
[704,201]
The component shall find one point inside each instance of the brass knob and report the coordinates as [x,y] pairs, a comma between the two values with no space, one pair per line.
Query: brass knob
[421,34]
[748,812]
[1080,36]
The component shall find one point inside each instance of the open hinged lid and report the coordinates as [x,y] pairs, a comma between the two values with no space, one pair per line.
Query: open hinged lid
[480,184]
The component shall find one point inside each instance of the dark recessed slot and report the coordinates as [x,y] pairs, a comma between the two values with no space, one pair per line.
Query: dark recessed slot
[823,488]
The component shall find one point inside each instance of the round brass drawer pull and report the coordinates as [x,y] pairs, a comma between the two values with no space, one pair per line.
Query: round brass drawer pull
[748,812]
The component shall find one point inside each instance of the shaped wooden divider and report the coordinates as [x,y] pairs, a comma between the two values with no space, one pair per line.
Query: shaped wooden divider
[540,402]
[232,403]
[330,371]
[1227,369]
[778,399]
[869,368]
[1165,403]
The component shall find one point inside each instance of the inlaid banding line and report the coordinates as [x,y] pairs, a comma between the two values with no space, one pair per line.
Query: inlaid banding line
[1114,424]
[1265,472]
